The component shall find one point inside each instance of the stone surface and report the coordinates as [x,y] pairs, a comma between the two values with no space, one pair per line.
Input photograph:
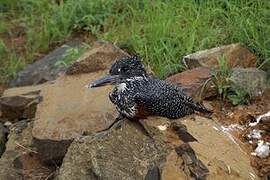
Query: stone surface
[235,54]
[195,82]
[19,106]
[44,69]
[253,80]
[68,110]
[20,160]
[214,148]
[172,168]
[3,138]
[126,153]
[99,57]
[222,149]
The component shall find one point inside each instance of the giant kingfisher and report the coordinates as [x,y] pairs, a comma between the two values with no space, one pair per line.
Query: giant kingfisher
[137,95]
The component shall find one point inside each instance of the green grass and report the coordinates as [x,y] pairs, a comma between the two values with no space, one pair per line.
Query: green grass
[222,78]
[161,31]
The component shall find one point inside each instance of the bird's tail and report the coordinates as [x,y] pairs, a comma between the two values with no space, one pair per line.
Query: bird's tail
[199,107]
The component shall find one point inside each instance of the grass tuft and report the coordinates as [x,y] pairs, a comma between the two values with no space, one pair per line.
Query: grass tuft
[226,88]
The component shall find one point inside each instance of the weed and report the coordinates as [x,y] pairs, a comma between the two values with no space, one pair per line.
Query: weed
[239,96]
[225,86]
[222,78]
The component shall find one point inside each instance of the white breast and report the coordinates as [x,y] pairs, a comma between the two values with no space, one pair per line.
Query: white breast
[121,87]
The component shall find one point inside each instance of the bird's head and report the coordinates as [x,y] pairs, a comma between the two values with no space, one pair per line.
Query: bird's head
[121,70]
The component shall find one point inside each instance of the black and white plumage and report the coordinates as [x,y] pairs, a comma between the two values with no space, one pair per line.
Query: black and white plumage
[136,95]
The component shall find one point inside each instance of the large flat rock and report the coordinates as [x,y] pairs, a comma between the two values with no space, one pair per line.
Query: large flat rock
[69,110]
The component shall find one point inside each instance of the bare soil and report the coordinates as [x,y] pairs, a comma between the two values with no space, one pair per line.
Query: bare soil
[243,115]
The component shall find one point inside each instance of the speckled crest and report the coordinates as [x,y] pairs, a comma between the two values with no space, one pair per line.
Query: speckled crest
[128,67]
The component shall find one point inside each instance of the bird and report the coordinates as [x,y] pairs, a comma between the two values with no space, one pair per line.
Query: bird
[138,95]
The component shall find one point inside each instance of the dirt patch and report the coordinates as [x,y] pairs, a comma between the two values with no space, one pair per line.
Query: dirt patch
[237,119]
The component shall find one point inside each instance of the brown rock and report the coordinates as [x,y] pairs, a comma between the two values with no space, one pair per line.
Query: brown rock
[172,168]
[20,160]
[195,82]
[126,153]
[19,106]
[235,54]
[67,111]
[100,57]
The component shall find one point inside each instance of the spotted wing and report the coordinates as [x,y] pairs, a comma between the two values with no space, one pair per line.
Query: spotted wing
[163,99]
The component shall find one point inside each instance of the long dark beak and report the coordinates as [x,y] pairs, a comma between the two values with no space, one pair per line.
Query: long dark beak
[111,79]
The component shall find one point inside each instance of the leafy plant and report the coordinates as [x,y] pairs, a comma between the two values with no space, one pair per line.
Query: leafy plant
[239,96]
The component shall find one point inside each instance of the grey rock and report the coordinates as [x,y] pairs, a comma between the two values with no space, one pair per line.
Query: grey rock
[253,80]
[45,69]
[235,55]
[126,153]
